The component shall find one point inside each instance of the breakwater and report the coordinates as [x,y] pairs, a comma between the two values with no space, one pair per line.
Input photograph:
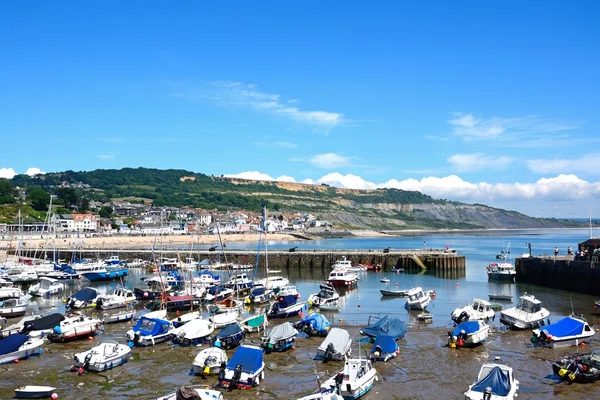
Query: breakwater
[560,273]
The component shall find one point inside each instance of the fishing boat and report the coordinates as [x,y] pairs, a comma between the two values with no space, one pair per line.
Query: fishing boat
[386,325]
[230,336]
[336,346]
[105,273]
[255,323]
[417,299]
[327,295]
[75,326]
[340,277]
[121,316]
[150,331]
[500,297]
[9,291]
[468,334]
[46,287]
[477,310]
[19,347]
[579,368]
[193,333]
[209,361]
[394,293]
[286,306]
[354,380]
[34,392]
[384,348]
[11,308]
[194,392]
[528,314]
[223,319]
[281,338]
[569,331]
[494,382]
[41,326]
[314,324]
[84,298]
[259,294]
[121,297]
[244,370]
[107,355]
[384,280]
[503,271]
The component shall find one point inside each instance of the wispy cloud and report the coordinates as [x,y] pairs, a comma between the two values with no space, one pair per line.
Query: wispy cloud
[106,156]
[479,162]
[586,163]
[260,176]
[330,160]
[281,144]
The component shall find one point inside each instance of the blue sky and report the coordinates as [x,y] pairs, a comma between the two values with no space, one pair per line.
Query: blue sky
[494,103]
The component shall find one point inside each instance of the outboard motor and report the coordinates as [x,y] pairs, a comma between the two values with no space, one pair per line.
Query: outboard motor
[339,379]
[487,394]
[99,303]
[187,393]
[464,316]
[329,352]
[237,375]
[221,375]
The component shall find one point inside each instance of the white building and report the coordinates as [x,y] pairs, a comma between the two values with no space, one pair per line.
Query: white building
[75,222]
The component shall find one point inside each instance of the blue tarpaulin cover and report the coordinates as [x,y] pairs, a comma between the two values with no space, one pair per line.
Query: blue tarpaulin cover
[286,301]
[386,343]
[86,294]
[469,327]
[230,330]
[497,380]
[250,358]
[387,325]
[257,290]
[565,327]
[151,326]
[12,343]
[318,321]
[216,289]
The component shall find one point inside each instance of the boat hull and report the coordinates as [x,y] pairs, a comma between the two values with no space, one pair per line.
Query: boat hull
[495,277]
[339,283]
[34,392]
[105,276]
[13,312]
[31,348]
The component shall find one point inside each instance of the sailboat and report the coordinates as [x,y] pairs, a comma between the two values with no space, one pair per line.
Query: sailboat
[262,290]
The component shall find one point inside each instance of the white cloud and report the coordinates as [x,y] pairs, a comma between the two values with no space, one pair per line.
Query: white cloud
[329,160]
[308,181]
[106,156]
[588,163]
[478,162]
[252,175]
[349,181]
[282,144]
[7,173]
[285,178]
[34,171]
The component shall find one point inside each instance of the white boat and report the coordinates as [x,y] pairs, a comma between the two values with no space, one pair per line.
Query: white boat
[384,280]
[74,326]
[209,361]
[468,334]
[206,279]
[136,263]
[84,298]
[244,370]
[528,314]
[336,346]
[46,287]
[121,316]
[193,333]
[478,310]
[216,293]
[9,291]
[181,320]
[239,282]
[223,319]
[289,290]
[121,297]
[341,277]
[202,392]
[322,394]
[326,296]
[259,294]
[274,282]
[81,267]
[255,323]
[354,380]
[494,382]
[503,271]
[34,392]
[22,275]
[569,331]
[343,263]
[18,347]
[150,331]
[417,299]
[107,355]
[12,308]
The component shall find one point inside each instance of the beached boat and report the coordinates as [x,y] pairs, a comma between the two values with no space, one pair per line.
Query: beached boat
[244,370]
[322,394]
[121,297]
[503,272]
[286,306]
[105,273]
[386,325]
[84,298]
[417,299]
[468,334]
[255,323]
[579,368]
[394,293]
[477,310]
[500,297]
[121,316]
[41,326]
[11,308]
[314,324]
[528,314]
[195,332]
[425,317]
[494,382]
[341,277]
[354,380]
[209,361]
[336,346]
[384,348]
[230,336]
[194,392]
[569,331]
[46,287]
[107,355]
[226,305]
[19,347]
[74,327]
[9,291]
[182,319]
[34,392]
[150,331]
[223,319]
[330,306]
[259,294]
[327,295]
[280,338]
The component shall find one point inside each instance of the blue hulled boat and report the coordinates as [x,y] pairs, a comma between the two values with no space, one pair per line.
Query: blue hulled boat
[105,273]
[287,306]
[384,348]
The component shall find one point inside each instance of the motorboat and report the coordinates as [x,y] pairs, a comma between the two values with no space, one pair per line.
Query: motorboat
[500,297]
[259,294]
[60,275]
[113,260]
[384,280]
[477,310]
[75,326]
[344,263]
[230,336]
[150,331]
[569,331]
[206,279]
[22,276]
[11,308]
[225,305]
[136,263]
[314,324]
[181,320]
[327,295]
[394,293]
[42,326]
[217,293]
[281,338]
[84,298]
[105,273]
[255,323]
[121,316]
[239,283]
[425,317]
[121,297]
[34,392]
[46,287]
[223,319]
[528,314]
[19,347]
[384,348]
[107,355]
[160,314]
[209,361]
[330,306]
[494,382]
[336,346]
[9,291]
[386,325]
[244,370]
[286,306]
[468,334]
[354,380]
[197,392]
[193,333]
[417,299]
[341,277]
[274,282]
[501,271]
[579,368]
[289,290]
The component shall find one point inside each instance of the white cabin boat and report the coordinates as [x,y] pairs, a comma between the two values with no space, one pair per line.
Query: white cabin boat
[75,326]
[9,291]
[46,287]
[18,347]
[503,271]
[340,277]
[528,314]
[12,308]
[121,297]
[209,361]
[494,382]
[326,296]
[417,299]
[354,380]
[274,282]
[25,275]
[478,310]
[103,357]
[569,331]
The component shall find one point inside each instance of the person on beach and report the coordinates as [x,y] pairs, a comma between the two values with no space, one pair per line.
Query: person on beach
[570,251]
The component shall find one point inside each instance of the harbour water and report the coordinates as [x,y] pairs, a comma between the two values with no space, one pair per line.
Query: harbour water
[425,369]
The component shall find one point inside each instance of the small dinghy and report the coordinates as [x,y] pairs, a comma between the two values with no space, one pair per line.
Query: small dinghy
[19,347]
[569,331]
[501,297]
[121,316]
[354,380]
[326,296]
[384,348]
[42,326]
[336,346]
[105,356]
[468,334]
[86,297]
[208,361]
[193,333]
[255,323]
[394,293]
[384,280]
[417,299]
[314,324]
[333,306]
[225,305]
[478,309]
[34,392]
[149,331]
[281,338]
[194,392]
[425,317]
[387,325]
[244,370]
[223,319]
[74,327]
[494,382]
[580,368]
[230,336]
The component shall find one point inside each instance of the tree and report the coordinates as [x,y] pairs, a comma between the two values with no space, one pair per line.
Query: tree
[68,196]
[105,212]
[39,199]
[7,192]
[83,204]
[172,217]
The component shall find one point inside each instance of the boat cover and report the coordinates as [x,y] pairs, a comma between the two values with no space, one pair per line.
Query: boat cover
[338,337]
[386,343]
[497,380]
[216,289]
[468,326]
[283,331]
[12,343]
[286,301]
[152,326]
[47,322]
[86,294]
[230,330]
[387,325]
[565,327]
[257,290]
[250,358]
[256,321]
[318,321]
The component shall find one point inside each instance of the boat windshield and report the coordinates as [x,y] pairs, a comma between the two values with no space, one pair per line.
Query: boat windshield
[528,306]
